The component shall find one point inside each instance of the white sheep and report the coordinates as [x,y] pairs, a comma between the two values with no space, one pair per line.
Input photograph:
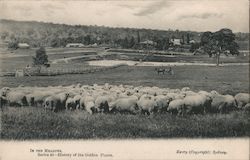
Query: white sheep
[16,98]
[222,103]
[247,107]
[198,103]
[184,89]
[242,99]
[176,107]
[39,97]
[52,103]
[87,103]
[147,104]
[162,102]
[102,102]
[77,99]
[128,104]
[70,104]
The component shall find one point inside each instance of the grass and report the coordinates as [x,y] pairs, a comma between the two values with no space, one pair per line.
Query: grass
[226,80]
[6,64]
[35,123]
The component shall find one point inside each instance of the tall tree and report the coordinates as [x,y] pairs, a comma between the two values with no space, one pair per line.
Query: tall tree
[138,37]
[41,58]
[222,41]
[132,42]
[188,38]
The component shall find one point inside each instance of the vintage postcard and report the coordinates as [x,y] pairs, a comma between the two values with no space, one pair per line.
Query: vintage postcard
[124,79]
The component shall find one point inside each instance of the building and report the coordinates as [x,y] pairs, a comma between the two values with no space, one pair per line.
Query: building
[74,45]
[23,45]
[148,42]
[176,42]
[192,41]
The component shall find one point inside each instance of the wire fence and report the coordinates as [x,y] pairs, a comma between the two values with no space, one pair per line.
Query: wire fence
[54,72]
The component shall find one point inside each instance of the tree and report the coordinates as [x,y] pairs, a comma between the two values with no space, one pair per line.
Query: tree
[87,40]
[194,46]
[182,39]
[188,38]
[138,37]
[4,35]
[222,41]
[13,44]
[132,42]
[41,58]
[125,43]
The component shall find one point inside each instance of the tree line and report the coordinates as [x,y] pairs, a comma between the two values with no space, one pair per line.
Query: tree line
[38,34]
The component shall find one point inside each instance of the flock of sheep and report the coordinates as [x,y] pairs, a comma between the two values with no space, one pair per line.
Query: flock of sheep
[124,99]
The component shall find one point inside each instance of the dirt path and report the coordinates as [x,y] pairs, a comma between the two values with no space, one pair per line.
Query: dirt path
[137,63]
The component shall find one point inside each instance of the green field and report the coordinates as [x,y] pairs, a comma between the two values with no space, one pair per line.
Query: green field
[36,123]
[226,80]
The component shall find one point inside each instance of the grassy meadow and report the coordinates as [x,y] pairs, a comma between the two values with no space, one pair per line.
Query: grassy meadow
[226,79]
[35,123]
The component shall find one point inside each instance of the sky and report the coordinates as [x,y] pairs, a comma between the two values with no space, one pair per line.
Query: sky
[192,15]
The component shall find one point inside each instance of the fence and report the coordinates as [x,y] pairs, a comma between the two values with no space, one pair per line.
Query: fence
[55,72]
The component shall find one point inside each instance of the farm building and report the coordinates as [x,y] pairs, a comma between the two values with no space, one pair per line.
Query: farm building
[192,41]
[176,42]
[23,45]
[76,45]
[148,42]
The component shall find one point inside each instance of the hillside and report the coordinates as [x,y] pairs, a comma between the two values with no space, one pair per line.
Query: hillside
[58,35]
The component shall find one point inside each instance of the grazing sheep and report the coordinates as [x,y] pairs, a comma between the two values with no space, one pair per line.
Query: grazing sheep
[30,99]
[184,89]
[3,101]
[147,104]
[188,93]
[122,105]
[78,85]
[198,103]
[102,103]
[242,99]
[222,103]
[176,107]
[176,95]
[205,93]
[16,98]
[247,107]
[62,97]
[213,92]
[70,104]
[52,103]
[39,97]
[4,91]
[162,102]
[87,103]
[77,99]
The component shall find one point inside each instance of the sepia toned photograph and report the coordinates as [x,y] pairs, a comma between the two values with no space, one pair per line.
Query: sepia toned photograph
[124,70]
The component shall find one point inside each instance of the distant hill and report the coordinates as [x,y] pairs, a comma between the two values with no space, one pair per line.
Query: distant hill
[58,35]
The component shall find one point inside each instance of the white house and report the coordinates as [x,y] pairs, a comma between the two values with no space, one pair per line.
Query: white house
[192,41]
[23,45]
[75,45]
[148,42]
[176,42]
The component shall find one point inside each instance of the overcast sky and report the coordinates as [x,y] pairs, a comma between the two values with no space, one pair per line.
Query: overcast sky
[194,15]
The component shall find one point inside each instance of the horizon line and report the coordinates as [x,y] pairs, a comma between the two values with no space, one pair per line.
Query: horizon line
[124,27]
